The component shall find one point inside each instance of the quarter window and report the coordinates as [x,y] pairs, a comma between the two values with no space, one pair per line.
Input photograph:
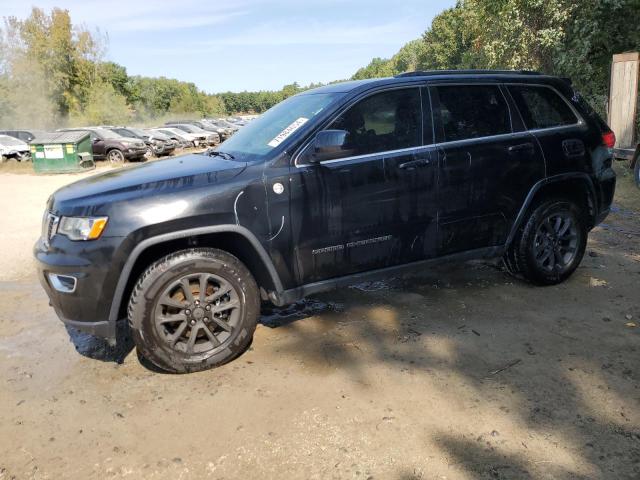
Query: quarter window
[473,111]
[542,107]
[382,122]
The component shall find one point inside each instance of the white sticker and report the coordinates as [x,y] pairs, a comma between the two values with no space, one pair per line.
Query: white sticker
[53,151]
[283,135]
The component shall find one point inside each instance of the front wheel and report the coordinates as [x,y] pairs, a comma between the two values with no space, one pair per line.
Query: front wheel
[551,244]
[115,156]
[193,310]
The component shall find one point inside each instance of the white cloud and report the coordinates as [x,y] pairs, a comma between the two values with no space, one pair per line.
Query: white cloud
[132,16]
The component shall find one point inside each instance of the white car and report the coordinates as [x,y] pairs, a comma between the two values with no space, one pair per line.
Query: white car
[178,133]
[11,147]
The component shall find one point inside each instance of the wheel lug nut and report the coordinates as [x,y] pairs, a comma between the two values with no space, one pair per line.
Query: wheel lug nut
[187,312]
[208,307]
[197,302]
[193,322]
[205,319]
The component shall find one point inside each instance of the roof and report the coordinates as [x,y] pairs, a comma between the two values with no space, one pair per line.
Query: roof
[60,137]
[421,76]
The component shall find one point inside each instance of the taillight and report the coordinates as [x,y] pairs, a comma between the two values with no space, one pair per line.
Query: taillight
[609,139]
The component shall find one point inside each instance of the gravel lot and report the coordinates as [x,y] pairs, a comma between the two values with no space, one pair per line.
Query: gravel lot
[459,372]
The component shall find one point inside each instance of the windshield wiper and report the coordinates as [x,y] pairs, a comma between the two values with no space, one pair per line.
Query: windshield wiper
[215,153]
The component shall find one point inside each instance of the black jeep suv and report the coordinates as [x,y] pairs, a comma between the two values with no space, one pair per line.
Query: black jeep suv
[331,186]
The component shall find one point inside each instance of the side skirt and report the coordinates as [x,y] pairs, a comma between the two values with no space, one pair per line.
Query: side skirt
[295,294]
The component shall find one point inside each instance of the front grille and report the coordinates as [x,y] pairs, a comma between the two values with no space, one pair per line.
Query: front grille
[49,227]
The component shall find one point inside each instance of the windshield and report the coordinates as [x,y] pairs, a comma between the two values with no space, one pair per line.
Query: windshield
[104,133]
[173,132]
[189,128]
[274,127]
[138,132]
[7,140]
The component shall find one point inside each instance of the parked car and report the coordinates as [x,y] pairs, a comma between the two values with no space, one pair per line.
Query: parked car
[205,137]
[25,135]
[237,121]
[111,146]
[11,147]
[157,144]
[230,130]
[187,139]
[219,134]
[344,183]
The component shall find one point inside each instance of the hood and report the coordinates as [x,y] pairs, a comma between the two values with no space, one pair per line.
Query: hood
[149,179]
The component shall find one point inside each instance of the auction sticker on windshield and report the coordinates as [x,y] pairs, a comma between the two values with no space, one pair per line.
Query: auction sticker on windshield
[283,135]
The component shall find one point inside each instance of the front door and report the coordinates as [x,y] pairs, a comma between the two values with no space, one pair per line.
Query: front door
[356,213]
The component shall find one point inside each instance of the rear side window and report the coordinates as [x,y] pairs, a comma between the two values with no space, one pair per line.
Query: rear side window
[473,111]
[382,122]
[542,107]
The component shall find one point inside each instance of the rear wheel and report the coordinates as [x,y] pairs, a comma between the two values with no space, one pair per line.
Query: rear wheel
[636,173]
[551,244]
[194,310]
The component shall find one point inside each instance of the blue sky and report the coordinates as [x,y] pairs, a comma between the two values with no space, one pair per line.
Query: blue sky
[247,44]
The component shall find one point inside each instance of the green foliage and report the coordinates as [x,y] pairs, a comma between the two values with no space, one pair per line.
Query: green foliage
[104,106]
[52,72]
[558,37]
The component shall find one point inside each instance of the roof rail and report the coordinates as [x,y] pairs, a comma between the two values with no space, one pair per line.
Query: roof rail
[426,73]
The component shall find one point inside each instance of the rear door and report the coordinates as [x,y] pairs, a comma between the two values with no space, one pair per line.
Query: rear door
[562,134]
[487,166]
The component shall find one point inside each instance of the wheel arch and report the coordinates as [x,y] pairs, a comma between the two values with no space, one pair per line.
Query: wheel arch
[233,239]
[576,186]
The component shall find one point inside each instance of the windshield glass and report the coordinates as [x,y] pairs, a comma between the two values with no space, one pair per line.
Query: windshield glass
[104,133]
[173,132]
[272,129]
[138,132]
[7,140]
[189,128]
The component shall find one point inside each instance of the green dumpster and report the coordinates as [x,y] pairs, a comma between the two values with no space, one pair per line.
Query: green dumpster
[61,152]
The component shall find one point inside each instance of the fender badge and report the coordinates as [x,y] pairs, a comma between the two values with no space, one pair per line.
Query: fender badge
[278,188]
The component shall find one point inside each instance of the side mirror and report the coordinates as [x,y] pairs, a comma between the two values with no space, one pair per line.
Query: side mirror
[95,140]
[328,145]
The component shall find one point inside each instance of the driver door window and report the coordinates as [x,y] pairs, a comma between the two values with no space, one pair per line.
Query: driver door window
[383,122]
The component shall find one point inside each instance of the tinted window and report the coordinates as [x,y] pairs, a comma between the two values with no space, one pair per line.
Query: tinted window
[541,107]
[473,111]
[385,121]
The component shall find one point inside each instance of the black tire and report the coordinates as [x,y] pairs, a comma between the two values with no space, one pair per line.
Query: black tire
[115,156]
[202,340]
[636,173]
[550,245]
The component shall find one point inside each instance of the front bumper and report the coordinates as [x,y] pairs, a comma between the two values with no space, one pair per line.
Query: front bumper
[132,153]
[86,308]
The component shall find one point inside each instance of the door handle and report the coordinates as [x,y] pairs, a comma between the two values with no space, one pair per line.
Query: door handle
[523,147]
[415,163]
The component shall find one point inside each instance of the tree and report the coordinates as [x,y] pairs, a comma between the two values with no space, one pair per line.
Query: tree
[104,106]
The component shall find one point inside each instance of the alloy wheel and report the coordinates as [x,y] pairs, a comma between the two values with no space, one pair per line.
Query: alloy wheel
[115,156]
[197,313]
[556,242]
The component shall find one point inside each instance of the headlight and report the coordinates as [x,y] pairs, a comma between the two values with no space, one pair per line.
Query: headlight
[82,228]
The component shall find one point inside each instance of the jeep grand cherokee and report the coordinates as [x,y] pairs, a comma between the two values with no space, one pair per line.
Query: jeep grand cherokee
[342,183]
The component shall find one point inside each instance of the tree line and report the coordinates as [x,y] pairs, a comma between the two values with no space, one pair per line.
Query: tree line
[54,73]
[557,37]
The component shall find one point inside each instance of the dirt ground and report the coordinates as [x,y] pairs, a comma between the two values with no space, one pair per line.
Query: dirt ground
[456,373]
